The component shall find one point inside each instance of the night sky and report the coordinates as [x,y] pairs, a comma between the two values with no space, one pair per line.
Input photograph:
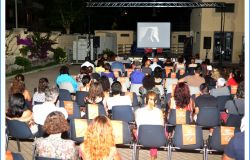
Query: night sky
[90,19]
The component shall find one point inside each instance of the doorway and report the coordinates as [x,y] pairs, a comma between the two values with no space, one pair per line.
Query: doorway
[223,46]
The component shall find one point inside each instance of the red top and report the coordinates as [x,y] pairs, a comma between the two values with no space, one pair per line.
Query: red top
[231,82]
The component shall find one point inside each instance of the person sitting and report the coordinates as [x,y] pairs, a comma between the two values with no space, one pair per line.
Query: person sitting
[18,111]
[158,80]
[168,62]
[231,80]
[237,105]
[39,95]
[116,97]
[179,64]
[96,95]
[107,71]
[86,81]
[117,65]
[205,99]
[191,67]
[99,141]
[146,69]
[149,110]
[221,89]
[155,63]
[83,72]
[18,86]
[54,146]
[136,78]
[194,80]
[65,77]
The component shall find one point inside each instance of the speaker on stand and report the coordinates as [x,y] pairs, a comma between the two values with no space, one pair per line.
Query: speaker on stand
[96,44]
[207,44]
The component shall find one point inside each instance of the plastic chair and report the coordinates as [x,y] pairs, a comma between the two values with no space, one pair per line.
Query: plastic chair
[78,128]
[72,108]
[17,156]
[64,95]
[18,130]
[80,96]
[187,137]
[218,141]
[221,101]
[123,113]
[94,110]
[183,117]
[208,117]
[150,136]
[234,120]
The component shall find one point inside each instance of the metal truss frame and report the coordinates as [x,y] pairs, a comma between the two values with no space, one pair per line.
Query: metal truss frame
[157,4]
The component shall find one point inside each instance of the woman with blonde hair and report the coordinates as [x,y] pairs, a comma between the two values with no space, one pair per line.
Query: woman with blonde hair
[99,142]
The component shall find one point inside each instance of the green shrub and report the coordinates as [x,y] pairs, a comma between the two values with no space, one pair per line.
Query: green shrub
[59,55]
[24,50]
[21,61]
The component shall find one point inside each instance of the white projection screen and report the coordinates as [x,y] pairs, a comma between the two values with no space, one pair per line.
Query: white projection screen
[153,34]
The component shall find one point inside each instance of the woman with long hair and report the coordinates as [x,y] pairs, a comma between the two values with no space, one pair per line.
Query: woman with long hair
[39,95]
[99,142]
[96,94]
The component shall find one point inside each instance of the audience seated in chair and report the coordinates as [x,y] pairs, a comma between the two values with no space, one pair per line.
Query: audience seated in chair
[150,115]
[64,80]
[54,146]
[100,130]
[39,95]
[18,111]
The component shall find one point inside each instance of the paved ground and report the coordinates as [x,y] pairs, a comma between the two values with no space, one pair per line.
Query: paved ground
[31,81]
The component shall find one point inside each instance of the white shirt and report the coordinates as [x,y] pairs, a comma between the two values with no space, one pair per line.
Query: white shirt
[38,97]
[146,116]
[41,111]
[118,100]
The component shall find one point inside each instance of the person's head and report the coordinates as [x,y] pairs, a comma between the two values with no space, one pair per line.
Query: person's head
[55,123]
[241,90]
[90,69]
[17,87]
[84,70]
[181,94]
[158,72]
[86,80]
[168,60]
[16,105]
[151,98]
[100,63]
[19,77]
[51,94]
[204,88]
[64,70]
[95,91]
[99,138]
[221,82]
[116,88]
[43,84]
[215,74]
[105,83]
[148,62]
[107,67]
[155,59]
[192,60]
[197,70]
[148,82]
[180,60]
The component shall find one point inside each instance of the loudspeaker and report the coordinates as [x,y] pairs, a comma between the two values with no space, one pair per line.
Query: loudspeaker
[207,43]
[96,42]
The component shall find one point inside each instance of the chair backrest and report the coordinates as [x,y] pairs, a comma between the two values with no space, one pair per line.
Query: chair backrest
[123,113]
[152,136]
[80,96]
[36,103]
[221,137]
[179,116]
[68,86]
[72,108]
[17,156]
[18,129]
[121,132]
[188,137]
[64,95]
[78,127]
[234,120]
[94,110]
[221,101]
[208,117]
